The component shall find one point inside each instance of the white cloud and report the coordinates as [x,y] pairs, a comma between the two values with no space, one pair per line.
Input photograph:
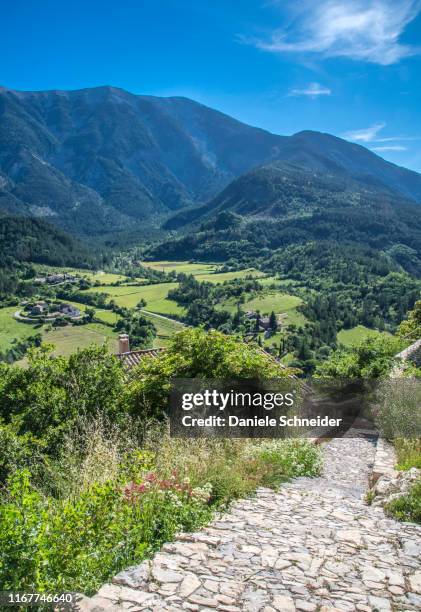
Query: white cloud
[367,30]
[394,138]
[390,148]
[313,90]
[366,134]
[369,134]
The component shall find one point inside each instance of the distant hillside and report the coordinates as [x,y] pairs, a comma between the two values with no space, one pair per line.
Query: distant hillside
[100,161]
[281,204]
[32,240]
[327,153]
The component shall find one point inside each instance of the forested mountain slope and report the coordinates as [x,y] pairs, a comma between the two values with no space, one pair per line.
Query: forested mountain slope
[281,204]
[96,161]
[23,239]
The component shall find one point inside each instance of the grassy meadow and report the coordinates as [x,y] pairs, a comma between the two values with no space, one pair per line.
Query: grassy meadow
[105,278]
[280,303]
[165,328]
[155,296]
[202,271]
[68,339]
[11,329]
[356,335]
[180,267]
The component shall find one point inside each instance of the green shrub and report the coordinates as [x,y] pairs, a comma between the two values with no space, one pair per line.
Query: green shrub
[79,543]
[17,452]
[285,459]
[195,353]
[408,453]
[407,507]
[374,357]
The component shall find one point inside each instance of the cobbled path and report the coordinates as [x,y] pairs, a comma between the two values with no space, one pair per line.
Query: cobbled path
[313,546]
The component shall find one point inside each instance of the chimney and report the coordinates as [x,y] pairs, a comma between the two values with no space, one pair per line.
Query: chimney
[123,343]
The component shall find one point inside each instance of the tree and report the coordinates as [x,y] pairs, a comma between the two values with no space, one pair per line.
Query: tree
[90,314]
[195,353]
[410,329]
[48,397]
[373,358]
[273,321]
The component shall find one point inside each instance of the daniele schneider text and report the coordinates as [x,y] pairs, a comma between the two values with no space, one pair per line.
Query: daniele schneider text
[221,401]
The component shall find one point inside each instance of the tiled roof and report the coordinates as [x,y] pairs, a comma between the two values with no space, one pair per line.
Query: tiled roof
[133,358]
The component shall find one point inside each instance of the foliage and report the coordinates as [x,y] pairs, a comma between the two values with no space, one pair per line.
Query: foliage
[24,239]
[48,396]
[408,453]
[407,507]
[78,543]
[373,358]
[17,451]
[195,353]
[76,535]
[410,329]
[398,412]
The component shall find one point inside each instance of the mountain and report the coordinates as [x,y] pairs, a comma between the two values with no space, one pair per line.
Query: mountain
[23,239]
[281,204]
[102,159]
[326,153]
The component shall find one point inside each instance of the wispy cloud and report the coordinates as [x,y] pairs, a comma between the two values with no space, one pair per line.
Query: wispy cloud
[366,134]
[313,90]
[390,148]
[395,138]
[370,135]
[367,30]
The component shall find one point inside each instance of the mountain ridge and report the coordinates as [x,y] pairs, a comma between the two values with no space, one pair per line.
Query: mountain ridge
[102,160]
[129,158]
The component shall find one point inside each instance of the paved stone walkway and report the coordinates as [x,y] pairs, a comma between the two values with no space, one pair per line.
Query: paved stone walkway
[314,546]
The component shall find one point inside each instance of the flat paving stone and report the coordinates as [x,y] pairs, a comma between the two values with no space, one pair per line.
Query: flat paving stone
[313,546]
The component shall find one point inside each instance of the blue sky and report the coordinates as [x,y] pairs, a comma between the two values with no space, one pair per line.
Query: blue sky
[351,68]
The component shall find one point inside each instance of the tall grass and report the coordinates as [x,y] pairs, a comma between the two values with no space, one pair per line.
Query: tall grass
[107,502]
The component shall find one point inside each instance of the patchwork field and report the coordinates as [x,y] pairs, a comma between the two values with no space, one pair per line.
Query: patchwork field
[202,271]
[10,328]
[68,339]
[165,328]
[155,296]
[105,278]
[180,267]
[280,303]
[354,336]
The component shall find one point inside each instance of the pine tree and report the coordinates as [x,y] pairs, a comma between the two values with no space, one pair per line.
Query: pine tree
[273,322]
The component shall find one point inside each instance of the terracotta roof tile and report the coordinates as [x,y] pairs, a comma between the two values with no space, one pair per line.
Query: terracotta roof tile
[133,358]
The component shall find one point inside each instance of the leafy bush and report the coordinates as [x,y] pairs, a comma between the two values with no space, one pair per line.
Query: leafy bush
[407,507]
[410,329]
[94,526]
[372,358]
[285,459]
[17,452]
[80,542]
[48,397]
[194,353]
